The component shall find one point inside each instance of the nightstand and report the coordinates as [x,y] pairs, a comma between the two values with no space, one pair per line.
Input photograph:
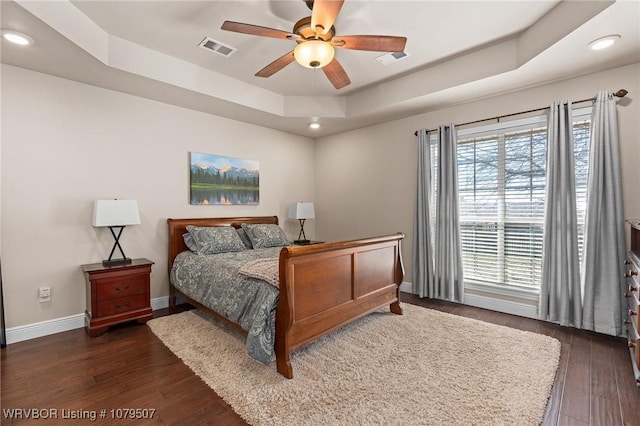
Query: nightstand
[117,294]
[308,243]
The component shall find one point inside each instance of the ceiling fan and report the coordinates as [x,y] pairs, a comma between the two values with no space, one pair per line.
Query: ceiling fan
[316,38]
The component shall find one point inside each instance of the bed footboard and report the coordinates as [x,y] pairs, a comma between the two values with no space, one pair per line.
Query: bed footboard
[326,286]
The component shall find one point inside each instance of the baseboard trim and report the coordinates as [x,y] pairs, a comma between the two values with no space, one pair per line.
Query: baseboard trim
[44,328]
[406,287]
[59,325]
[506,306]
[493,304]
[160,302]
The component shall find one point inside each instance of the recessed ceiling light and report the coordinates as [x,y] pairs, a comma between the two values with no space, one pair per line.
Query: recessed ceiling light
[604,42]
[314,126]
[17,38]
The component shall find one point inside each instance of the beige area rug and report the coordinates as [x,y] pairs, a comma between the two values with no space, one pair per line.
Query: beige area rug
[422,368]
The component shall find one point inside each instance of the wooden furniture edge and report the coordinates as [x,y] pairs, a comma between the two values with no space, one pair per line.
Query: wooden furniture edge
[98,275]
[343,312]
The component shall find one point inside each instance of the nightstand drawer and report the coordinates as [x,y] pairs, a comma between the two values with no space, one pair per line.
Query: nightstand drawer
[121,304]
[633,308]
[110,288]
[632,272]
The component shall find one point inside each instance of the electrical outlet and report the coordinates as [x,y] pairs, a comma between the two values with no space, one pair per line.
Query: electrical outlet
[44,294]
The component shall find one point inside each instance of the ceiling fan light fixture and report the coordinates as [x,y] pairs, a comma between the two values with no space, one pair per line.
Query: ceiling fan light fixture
[314,53]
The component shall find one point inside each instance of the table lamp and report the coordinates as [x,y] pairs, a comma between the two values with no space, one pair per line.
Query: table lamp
[301,211]
[115,214]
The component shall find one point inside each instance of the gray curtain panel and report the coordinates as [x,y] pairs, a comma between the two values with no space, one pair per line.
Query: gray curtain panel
[437,268]
[423,273]
[449,279]
[560,295]
[604,243]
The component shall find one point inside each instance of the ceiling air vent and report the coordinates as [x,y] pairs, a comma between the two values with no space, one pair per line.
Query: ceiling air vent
[217,47]
[389,58]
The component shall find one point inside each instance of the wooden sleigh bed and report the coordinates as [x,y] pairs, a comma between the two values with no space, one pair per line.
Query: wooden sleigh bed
[322,287]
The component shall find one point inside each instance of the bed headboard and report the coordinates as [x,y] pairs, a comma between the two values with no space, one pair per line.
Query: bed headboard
[177,227]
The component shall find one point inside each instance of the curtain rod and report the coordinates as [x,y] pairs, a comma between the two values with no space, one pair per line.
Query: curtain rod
[620,94]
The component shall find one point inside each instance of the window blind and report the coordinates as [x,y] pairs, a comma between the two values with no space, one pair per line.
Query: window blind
[501,178]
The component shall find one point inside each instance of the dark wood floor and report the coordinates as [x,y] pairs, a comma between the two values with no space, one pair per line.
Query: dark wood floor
[128,367]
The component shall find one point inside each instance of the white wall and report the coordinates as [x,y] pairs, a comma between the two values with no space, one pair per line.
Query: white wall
[366,178]
[65,144]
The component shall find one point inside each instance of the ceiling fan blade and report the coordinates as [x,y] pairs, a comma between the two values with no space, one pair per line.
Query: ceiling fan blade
[377,43]
[276,65]
[324,14]
[336,74]
[240,27]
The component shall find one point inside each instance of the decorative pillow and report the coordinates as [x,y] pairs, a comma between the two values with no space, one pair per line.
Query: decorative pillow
[188,241]
[216,239]
[245,239]
[265,235]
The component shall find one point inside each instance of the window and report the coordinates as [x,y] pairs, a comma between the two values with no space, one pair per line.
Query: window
[501,184]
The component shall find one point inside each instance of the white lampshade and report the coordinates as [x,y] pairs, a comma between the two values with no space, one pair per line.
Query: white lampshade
[302,210]
[115,213]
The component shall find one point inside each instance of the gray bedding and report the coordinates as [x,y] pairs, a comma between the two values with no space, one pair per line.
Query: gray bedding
[214,281]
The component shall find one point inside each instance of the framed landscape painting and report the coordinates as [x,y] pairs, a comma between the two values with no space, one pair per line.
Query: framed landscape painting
[218,180]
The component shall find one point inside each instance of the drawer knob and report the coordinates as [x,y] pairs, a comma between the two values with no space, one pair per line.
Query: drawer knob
[126,286]
[632,313]
[627,321]
[118,306]
[632,288]
[627,262]
[631,344]
[630,274]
